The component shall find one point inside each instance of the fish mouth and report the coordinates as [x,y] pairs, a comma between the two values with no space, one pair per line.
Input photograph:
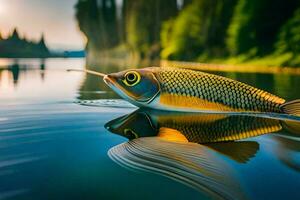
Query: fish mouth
[107,80]
[113,84]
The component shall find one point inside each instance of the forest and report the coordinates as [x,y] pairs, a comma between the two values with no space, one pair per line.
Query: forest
[16,47]
[258,32]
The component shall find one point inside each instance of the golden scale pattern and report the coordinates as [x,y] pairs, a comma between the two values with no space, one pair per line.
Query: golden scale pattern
[217,89]
[227,129]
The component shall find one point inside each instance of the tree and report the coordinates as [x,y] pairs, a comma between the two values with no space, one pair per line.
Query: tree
[199,29]
[255,25]
[144,21]
[289,39]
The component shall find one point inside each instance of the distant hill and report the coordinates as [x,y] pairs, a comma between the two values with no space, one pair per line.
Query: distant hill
[14,46]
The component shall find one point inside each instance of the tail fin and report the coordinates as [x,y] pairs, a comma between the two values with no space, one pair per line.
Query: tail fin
[291,107]
[292,126]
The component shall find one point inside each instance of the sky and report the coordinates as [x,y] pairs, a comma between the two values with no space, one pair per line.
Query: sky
[53,18]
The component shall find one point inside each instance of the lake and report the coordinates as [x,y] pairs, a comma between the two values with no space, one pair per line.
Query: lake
[66,135]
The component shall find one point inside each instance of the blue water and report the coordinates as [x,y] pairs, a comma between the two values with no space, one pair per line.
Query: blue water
[54,144]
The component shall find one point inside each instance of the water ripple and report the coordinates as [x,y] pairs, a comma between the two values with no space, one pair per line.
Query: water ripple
[11,162]
[12,193]
[189,163]
[118,103]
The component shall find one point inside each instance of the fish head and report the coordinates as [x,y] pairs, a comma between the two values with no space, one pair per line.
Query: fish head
[138,86]
[135,125]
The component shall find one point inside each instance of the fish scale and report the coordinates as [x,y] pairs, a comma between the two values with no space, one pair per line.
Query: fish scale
[197,130]
[190,88]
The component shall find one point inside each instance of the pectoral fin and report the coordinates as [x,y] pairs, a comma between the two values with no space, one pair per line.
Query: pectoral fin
[171,135]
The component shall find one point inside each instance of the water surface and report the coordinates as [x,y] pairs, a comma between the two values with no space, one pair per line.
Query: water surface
[58,140]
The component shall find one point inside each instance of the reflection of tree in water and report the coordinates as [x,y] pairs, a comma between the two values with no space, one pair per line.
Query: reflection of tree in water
[42,69]
[1,76]
[287,86]
[15,70]
[42,65]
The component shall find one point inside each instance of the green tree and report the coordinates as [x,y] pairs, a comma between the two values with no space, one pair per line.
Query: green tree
[289,35]
[255,25]
[144,21]
[289,40]
[198,30]
[98,21]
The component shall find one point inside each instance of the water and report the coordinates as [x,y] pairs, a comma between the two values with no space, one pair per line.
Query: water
[59,141]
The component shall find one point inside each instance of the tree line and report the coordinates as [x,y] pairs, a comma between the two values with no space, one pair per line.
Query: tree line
[265,31]
[16,47]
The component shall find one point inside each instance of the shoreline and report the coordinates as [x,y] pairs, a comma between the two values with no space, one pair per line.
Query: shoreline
[230,68]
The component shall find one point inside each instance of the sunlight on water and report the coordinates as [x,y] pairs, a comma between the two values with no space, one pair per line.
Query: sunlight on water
[28,81]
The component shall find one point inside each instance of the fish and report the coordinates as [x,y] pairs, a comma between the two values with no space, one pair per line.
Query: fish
[189,147]
[216,131]
[212,130]
[155,146]
[201,128]
[187,90]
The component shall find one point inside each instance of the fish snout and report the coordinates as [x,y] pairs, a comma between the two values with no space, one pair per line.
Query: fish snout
[108,79]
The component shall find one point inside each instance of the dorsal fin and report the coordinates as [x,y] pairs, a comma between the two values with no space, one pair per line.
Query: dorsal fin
[239,151]
[191,65]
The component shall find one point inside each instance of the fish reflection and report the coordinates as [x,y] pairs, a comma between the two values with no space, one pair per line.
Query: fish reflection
[288,148]
[189,147]
[192,127]
[166,143]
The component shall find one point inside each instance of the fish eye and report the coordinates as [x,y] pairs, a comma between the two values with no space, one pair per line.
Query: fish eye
[132,78]
[130,134]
